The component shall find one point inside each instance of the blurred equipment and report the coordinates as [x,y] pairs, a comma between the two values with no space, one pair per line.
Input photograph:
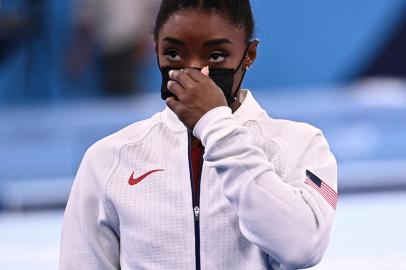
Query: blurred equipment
[23,39]
[17,23]
[119,31]
[390,61]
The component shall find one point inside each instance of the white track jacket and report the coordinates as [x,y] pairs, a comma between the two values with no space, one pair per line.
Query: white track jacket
[267,195]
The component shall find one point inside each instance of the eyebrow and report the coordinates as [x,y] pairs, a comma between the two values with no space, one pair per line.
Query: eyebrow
[218,41]
[175,41]
[209,43]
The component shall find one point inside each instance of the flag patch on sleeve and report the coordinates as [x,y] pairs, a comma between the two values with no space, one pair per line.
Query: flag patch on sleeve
[327,192]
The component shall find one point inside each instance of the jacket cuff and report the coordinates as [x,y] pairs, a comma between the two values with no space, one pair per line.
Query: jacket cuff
[202,127]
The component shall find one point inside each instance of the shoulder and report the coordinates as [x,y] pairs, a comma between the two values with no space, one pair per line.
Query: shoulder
[105,151]
[293,139]
[271,128]
[287,130]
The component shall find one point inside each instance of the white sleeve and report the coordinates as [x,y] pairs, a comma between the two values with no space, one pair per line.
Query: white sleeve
[289,219]
[89,235]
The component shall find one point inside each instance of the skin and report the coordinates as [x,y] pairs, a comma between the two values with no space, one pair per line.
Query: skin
[196,39]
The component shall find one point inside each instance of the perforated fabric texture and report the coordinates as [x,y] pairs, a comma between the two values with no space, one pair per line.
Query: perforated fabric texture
[270,148]
[156,225]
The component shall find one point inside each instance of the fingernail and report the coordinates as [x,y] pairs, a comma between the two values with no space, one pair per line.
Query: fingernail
[205,70]
[171,73]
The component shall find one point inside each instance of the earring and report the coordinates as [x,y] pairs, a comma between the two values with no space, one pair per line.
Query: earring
[247,68]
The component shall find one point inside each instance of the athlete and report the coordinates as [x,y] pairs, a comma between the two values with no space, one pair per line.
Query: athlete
[211,182]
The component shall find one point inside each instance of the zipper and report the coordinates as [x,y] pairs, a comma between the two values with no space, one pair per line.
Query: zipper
[197,211]
[195,201]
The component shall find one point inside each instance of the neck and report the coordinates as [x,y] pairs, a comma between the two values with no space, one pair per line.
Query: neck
[234,106]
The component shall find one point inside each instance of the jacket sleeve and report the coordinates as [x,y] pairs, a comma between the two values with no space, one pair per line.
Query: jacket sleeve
[89,236]
[290,219]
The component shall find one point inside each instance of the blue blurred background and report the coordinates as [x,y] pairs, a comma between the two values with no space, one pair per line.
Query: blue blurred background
[72,72]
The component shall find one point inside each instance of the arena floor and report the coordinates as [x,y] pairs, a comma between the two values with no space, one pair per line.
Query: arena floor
[369,233]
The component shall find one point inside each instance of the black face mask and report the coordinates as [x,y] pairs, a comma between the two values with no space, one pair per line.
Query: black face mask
[223,77]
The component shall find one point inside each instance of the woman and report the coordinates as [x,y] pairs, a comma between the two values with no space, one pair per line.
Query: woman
[212,182]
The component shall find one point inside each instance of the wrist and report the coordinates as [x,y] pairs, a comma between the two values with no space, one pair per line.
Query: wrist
[204,124]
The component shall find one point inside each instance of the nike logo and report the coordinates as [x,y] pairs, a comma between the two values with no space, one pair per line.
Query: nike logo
[133,181]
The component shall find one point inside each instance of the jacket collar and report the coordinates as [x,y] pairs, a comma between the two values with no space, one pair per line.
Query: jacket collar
[249,110]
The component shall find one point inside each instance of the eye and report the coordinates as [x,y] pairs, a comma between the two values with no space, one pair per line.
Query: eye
[172,55]
[217,57]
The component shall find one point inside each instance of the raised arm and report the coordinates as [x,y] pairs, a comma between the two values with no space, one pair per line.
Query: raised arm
[290,219]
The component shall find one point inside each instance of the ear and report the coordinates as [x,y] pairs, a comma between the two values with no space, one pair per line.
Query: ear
[251,54]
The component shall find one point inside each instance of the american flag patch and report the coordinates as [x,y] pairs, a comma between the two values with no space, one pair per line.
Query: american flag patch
[327,192]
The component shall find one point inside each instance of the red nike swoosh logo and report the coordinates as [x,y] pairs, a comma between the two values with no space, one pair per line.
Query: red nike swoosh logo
[133,181]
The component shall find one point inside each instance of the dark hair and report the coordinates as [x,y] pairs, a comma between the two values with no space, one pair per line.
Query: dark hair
[238,12]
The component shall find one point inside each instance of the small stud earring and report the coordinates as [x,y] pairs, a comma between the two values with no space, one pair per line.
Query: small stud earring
[247,68]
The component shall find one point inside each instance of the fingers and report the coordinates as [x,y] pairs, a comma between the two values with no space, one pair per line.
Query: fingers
[172,103]
[188,79]
[187,76]
[180,110]
[175,88]
[182,78]
[177,107]
[195,74]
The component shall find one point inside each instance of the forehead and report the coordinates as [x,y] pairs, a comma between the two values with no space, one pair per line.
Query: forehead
[201,25]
